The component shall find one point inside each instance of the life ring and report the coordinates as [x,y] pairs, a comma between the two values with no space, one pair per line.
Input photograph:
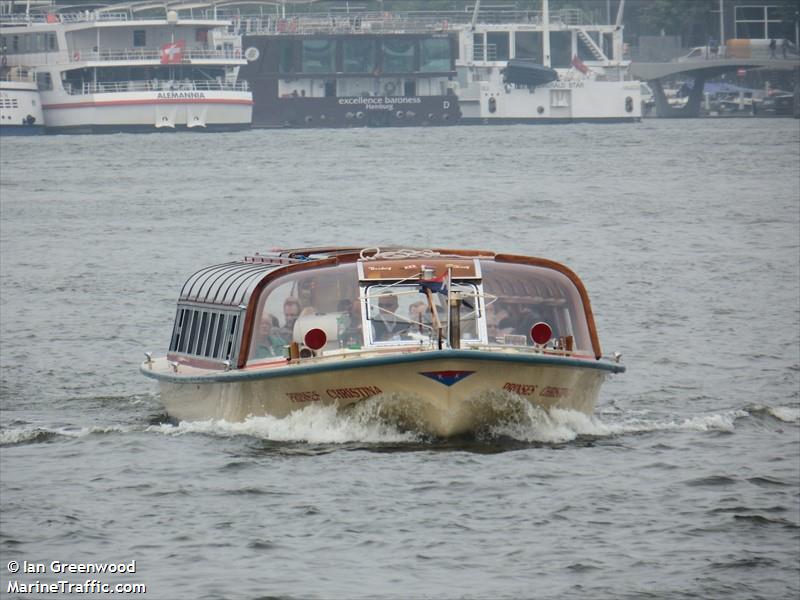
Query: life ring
[76,55]
[389,88]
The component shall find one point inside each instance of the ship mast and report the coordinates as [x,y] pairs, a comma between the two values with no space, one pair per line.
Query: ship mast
[546,32]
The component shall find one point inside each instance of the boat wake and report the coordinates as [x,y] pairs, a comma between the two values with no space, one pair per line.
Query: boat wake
[33,435]
[394,419]
[317,424]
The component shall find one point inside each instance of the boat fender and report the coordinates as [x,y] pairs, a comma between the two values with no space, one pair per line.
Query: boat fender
[4,60]
[492,104]
[389,88]
[76,55]
[628,104]
[540,109]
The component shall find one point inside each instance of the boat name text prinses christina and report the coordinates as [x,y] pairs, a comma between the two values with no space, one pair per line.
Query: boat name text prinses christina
[523,389]
[335,393]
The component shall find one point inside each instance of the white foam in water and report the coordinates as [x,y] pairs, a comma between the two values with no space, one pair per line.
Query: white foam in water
[787,414]
[506,416]
[558,425]
[316,424]
[28,434]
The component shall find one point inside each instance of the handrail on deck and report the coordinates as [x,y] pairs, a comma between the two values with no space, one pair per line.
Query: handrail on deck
[112,87]
[115,54]
[398,22]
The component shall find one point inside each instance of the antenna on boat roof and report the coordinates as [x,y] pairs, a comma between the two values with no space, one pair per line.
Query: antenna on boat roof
[475,10]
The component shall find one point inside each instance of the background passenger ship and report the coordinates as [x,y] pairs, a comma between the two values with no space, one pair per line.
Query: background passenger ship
[589,77]
[131,66]
[20,104]
[350,71]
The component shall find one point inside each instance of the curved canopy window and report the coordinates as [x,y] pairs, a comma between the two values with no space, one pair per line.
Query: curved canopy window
[324,297]
[517,296]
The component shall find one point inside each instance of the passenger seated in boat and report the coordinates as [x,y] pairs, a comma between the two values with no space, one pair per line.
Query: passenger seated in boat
[418,315]
[269,343]
[291,310]
[386,325]
[350,333]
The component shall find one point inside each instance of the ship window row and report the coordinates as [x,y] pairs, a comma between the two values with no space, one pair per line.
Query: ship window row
[205,333]
[25,43]
[501,46]
[393,55]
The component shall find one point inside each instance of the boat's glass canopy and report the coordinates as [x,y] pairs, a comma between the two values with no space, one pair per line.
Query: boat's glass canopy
[357,306]
[522,295]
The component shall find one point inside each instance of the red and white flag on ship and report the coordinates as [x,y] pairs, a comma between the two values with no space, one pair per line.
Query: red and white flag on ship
[579,64]
[172,53]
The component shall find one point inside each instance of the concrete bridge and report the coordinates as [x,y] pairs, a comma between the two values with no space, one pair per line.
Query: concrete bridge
[701,71]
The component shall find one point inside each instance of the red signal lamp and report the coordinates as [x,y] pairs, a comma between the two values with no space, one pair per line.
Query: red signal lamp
[315,338]
[541,333]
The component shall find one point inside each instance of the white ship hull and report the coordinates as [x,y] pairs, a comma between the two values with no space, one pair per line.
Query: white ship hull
[556,102]
[20,108]
[157,111]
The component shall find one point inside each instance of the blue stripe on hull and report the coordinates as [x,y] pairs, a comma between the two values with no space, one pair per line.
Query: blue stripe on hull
[466,356]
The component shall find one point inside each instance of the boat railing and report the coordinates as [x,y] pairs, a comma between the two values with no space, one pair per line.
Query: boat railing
[17,19]
[113,87]
[18,75]
[149,54]
[397,22]
[109,15]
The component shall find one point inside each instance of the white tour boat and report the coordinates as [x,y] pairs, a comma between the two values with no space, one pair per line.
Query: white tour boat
[537,67]
[133,66]
[20,104]
[440,339]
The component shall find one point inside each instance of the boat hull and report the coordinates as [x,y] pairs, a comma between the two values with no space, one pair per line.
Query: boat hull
[149,111]
[556,102]
[20,108]
[346,112]
[441,393]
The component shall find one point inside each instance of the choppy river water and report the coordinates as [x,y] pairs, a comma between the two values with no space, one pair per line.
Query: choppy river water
[685,484]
